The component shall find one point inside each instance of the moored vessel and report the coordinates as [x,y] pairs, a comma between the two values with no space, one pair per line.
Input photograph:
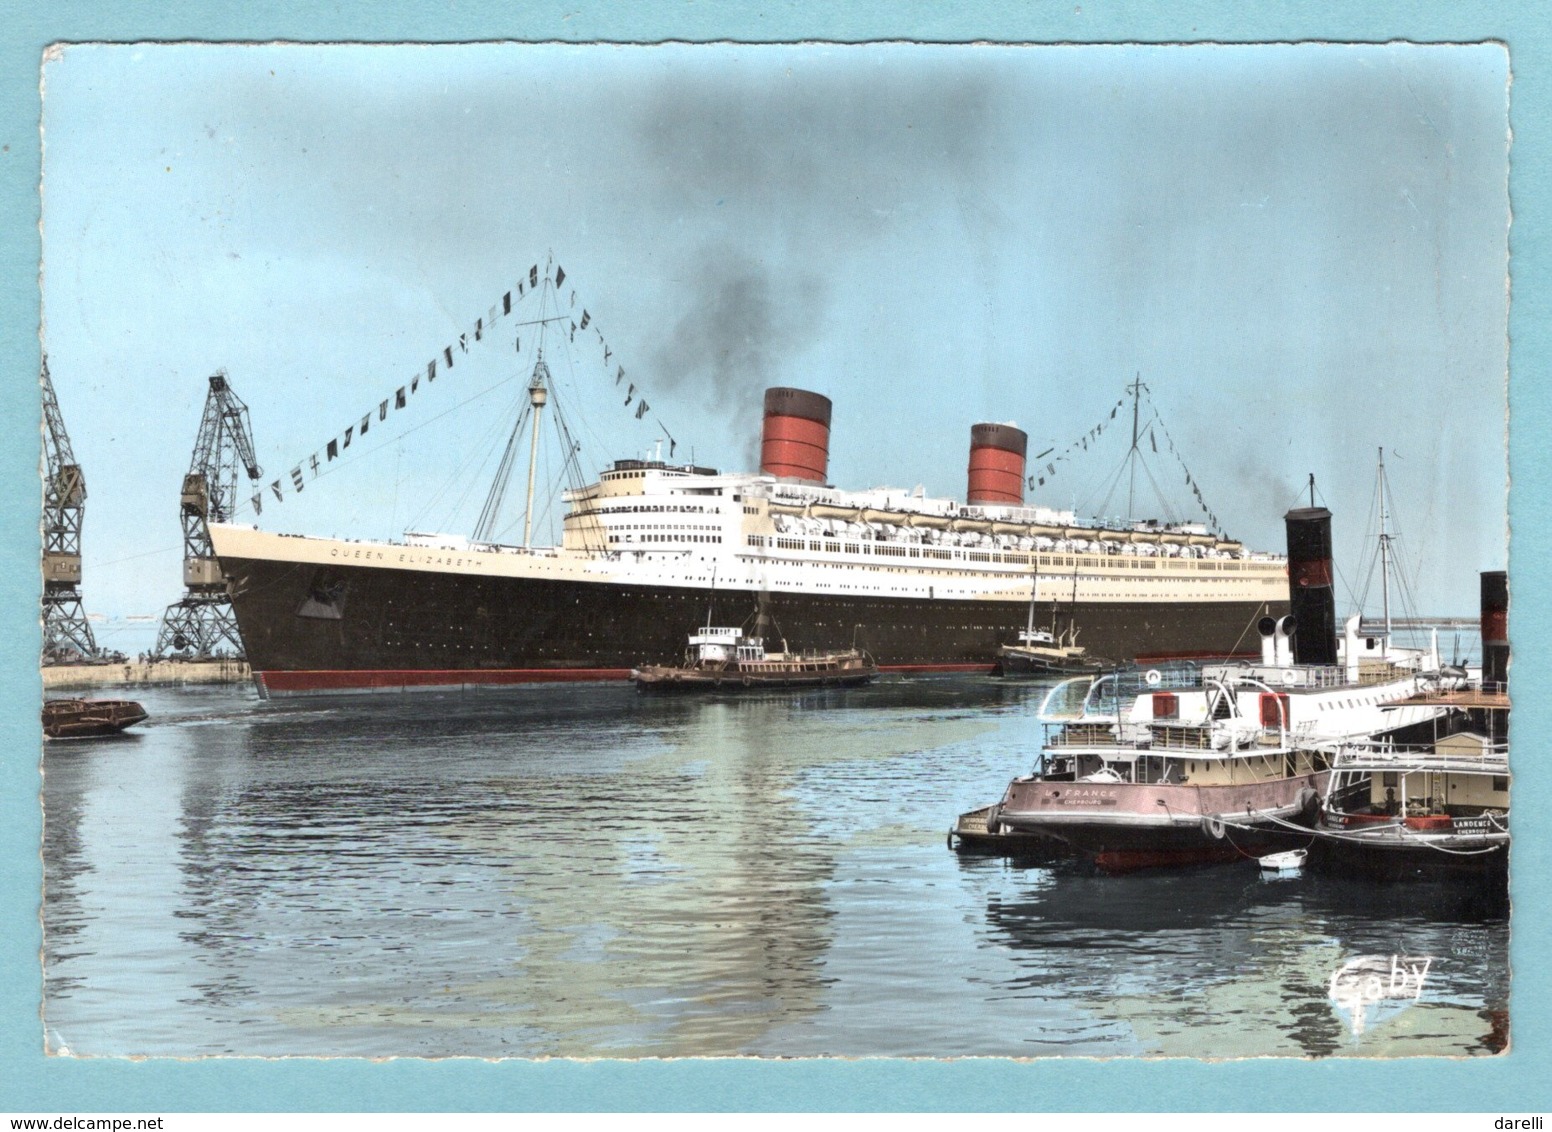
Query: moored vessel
[1288,861]
[84,719]
[1430,809]
[1408,810]
[1219,762]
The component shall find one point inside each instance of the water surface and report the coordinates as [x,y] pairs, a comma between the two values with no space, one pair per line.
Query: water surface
[582,871]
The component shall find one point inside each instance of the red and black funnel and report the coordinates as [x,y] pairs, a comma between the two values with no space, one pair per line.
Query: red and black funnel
[795,442]
[1310,592]
[997,454]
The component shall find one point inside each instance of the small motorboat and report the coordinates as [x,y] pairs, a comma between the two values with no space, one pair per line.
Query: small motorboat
[84,719]
[1290,862]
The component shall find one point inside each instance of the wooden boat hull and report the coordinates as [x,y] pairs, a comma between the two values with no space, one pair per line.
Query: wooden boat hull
[87,719]
[981,831]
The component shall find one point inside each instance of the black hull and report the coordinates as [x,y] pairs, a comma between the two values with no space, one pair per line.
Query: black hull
[1401,862]
[1032,667]
[1119,849]
[322,627]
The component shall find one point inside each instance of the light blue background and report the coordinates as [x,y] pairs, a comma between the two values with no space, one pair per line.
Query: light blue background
[30,1082]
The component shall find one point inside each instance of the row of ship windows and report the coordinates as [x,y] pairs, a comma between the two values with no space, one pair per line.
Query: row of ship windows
[654,508]
[658,527]
[665,538]
[762,541]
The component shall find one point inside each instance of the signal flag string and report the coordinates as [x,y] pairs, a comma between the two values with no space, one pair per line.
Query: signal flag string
[1041,475]
[317,462]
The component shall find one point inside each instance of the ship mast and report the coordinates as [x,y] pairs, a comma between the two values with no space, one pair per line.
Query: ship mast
[1135,388]
[538,394]
[530,417]
[1384,554]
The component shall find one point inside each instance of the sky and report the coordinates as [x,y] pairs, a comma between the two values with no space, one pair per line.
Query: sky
[1301,250]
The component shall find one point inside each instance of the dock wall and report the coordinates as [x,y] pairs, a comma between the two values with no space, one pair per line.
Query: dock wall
[58,677]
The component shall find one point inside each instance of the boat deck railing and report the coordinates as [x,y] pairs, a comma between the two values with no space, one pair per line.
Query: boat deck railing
[1493,760]
[1094,734]
[1494,696]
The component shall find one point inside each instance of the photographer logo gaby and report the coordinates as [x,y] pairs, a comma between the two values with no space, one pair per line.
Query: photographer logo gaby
[1371,987]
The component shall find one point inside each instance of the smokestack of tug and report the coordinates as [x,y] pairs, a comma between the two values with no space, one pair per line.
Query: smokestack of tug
[1495,627]
[795,442]
[1310,595]
[997,464]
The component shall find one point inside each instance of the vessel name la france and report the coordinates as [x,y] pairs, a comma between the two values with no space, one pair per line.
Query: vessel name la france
[922,584]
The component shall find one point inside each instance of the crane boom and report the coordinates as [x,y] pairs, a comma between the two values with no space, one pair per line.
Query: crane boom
[202,624]
[67,635]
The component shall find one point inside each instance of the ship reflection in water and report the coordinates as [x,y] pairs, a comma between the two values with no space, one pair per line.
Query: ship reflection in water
[587,872]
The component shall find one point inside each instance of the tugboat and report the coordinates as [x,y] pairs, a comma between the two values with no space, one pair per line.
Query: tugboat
[1400,811]
[1435,809]
[1041,653]
[1044,652]
[1222,762]
[724,658]
[84,719]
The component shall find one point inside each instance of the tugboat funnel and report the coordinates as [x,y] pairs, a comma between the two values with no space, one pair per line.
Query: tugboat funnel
[1310,594]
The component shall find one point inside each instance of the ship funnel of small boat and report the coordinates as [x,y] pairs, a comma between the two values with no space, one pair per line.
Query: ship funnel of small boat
[1268,629]
[1495,627]
[795,440]
[997,454]
[1283,639]
[1309,585]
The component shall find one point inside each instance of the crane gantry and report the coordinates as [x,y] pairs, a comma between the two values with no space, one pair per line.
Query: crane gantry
[67,635]
[202,625]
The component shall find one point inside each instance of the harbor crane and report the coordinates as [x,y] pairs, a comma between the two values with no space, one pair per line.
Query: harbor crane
[67,635]
[202,626]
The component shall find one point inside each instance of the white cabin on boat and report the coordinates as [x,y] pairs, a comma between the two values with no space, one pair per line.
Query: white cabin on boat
[725,646]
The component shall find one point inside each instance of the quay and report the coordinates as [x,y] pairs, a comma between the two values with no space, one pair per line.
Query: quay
[129,673]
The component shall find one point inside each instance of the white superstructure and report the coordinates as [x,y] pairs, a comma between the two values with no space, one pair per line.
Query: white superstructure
[664,524]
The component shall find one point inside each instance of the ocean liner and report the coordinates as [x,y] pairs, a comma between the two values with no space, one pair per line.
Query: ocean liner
[922,584]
